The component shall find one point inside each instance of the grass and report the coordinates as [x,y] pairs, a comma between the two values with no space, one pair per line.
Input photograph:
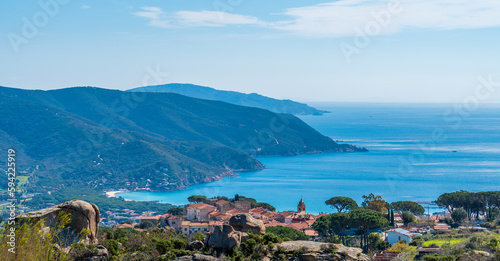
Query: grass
[440,242]
[22,180]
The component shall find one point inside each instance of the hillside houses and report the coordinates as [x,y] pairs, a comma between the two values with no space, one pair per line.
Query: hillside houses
[202,217]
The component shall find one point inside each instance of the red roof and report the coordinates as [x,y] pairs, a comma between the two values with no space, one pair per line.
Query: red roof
[199,206]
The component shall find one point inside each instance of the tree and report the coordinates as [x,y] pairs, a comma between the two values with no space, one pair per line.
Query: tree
[339,223]
[410,206]
[175,211]
[197,198]
[399,247]
[374,203]
[287,232]
[459,215]
[147,225]
[376,243]
[408,218]
[392,219]
[323,226]
[365,219]
[342,203]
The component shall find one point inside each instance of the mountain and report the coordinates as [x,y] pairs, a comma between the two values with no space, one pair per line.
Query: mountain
[238,98]
[86,136]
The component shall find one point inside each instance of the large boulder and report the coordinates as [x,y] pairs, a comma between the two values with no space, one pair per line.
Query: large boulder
[195,245]
[84,217]
[224,237]
[198,257]
[246,223]
[313,251]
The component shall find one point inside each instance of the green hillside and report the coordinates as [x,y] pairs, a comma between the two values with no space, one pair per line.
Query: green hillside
[105,138]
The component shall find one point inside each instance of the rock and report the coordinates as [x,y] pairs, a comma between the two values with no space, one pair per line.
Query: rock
[101,255]
[316,251]
[476,255]
[197,257]
[224,237]
[84,215]
[246,223]
[195,245]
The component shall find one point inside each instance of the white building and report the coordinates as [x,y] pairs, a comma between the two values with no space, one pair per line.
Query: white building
[394,235]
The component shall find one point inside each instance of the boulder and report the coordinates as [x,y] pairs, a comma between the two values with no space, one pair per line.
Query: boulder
[319,251]
[195,245]
[197,257]
[83,216]
[224,237]
[246,223]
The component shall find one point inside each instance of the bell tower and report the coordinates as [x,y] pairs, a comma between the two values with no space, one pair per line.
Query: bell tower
[301,207]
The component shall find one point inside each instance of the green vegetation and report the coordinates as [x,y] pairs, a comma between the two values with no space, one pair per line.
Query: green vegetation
[342,203]
[98,138]
[410,206]
[287,233]
[440,242]
[31,244]
[473,203]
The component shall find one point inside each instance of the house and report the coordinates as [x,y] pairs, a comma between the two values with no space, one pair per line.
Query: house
[223,205]
[191,228]
[244,206]
[394,235]
[199,211]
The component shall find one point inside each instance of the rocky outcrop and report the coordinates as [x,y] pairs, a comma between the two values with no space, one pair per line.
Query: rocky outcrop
[198,257]
[84,217]
[313,251]
[246,223]
[195,245]
[224,237]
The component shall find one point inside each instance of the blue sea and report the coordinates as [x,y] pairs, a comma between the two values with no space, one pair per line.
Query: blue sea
[416,152]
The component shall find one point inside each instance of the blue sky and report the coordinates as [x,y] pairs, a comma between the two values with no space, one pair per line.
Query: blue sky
[347,50]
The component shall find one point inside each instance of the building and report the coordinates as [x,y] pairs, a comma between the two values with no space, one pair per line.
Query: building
[244,206]
[199,211]
[301,207]
[394,235]
[191,228]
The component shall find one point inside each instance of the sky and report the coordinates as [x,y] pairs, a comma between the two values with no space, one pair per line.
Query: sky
[328,51]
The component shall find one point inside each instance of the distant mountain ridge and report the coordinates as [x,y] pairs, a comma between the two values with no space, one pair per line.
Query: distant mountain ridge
[238,98]
[87,136]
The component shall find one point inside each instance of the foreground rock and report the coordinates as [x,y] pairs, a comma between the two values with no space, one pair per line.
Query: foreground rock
[84,216]
[246,223]
[313,251]
[224,237]
[197,257]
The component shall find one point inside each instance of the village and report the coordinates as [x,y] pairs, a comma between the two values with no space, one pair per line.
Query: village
[203,217]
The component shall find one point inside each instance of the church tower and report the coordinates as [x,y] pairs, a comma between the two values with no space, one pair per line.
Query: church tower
[301,207]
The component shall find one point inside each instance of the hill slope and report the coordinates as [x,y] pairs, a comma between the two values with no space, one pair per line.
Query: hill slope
[104,138]
[238,98]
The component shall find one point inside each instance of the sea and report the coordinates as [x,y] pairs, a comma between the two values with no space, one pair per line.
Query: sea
[416,152]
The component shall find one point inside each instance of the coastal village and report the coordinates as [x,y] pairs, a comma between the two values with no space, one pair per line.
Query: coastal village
[203,217]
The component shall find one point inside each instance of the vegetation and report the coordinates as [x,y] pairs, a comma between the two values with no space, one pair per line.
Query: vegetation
[342,203]
[375,203]
[287,233]
[410,206]
[473,203]
[162,141]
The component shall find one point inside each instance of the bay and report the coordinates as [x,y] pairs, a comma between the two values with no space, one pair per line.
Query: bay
[416,152]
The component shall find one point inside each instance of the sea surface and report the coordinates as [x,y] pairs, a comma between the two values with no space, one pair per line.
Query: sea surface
[416,152]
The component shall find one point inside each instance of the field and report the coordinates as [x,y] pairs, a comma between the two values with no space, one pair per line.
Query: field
[440,242]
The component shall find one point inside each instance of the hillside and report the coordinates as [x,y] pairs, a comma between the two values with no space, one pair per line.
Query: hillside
[238,98]
[106,138]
